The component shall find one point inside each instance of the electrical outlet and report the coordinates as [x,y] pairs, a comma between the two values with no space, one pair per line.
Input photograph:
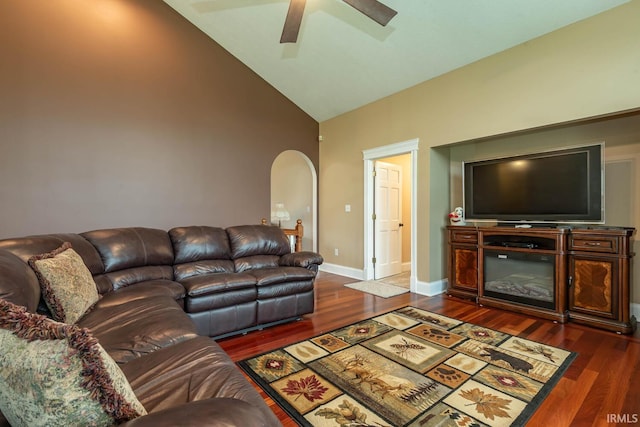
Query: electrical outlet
[336,252]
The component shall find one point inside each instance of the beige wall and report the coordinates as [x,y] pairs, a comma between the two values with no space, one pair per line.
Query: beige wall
[586,70]
[122,113]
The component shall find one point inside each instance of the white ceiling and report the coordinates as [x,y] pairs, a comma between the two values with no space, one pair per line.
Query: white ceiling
[343,60]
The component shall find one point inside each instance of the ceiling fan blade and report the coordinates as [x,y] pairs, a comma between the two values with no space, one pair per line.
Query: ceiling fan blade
[293,21]
[373,9]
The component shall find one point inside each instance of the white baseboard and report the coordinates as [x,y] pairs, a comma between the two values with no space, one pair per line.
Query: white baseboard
[354,273]
[431,288]
[423,288]
[635,310]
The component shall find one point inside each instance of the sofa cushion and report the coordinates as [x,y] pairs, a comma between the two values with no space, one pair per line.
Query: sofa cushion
[270,276]
[205,284]
[196,243]
[67,285]
[122,248]
[212,291]
[200,250]
[256,262]
[190,371]
[196,268]
[250,240]
[138,327]
[56,374]
[132,276]
[26,247]
[18,282]
[146,289]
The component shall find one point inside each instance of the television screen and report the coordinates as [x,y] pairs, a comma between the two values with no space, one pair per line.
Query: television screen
[558,186]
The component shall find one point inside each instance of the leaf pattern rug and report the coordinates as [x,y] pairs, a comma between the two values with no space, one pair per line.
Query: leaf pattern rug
[410,367]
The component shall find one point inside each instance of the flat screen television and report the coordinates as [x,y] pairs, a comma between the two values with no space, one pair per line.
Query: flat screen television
[561,186]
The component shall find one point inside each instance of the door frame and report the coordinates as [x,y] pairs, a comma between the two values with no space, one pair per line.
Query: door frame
[370,156]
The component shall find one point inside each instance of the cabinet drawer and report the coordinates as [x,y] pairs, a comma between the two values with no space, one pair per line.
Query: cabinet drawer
[464,236]
[594,244]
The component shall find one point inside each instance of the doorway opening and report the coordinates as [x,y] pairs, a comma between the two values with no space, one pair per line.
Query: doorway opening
[294,189]
[406,151]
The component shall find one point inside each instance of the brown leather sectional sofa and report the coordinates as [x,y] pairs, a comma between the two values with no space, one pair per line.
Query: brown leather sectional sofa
[163,295]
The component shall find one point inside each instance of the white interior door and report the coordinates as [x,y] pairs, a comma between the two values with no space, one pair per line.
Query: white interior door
[388,219]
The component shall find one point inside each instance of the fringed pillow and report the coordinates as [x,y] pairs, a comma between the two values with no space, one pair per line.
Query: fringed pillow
[55,374]
[67,285]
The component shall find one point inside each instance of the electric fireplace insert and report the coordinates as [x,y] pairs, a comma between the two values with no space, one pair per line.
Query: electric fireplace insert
[520,268]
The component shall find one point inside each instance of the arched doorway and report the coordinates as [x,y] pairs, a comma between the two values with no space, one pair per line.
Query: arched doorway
[294,185]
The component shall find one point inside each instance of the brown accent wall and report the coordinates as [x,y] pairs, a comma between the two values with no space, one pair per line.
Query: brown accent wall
[121,113]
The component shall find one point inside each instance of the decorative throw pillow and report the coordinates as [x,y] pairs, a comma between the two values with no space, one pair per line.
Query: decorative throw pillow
[68,288]
[56,374]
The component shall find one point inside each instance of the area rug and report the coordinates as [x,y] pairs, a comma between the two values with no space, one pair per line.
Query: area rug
[377,288]
[410,367]
[401,279]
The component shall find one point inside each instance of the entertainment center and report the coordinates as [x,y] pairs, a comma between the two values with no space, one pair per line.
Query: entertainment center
[549,254]
[563,273]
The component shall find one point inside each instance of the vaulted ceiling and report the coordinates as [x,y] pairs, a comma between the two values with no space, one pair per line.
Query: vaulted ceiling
[343,60]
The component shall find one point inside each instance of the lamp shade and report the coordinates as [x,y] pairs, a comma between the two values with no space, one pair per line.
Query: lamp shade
[280,213]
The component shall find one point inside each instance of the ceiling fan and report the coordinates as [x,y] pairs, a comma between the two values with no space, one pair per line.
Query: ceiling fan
[372,8]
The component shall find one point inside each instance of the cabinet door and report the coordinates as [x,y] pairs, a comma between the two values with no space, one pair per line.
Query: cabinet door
[464,267]
[594,286]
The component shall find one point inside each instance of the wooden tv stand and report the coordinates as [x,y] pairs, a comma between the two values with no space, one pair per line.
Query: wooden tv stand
[589,271]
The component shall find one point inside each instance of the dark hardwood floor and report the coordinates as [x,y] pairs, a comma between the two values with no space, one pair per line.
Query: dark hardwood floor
[600,387]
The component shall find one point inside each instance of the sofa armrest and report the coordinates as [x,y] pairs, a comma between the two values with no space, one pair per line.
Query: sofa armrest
[222,412]
[306,259]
